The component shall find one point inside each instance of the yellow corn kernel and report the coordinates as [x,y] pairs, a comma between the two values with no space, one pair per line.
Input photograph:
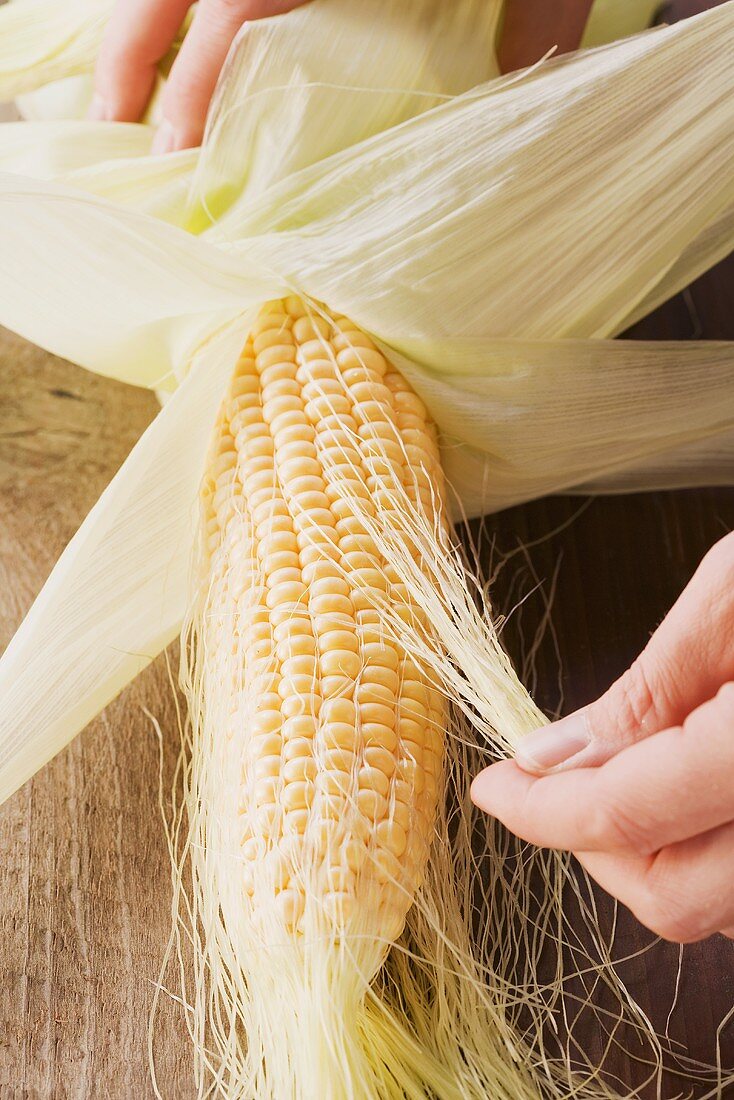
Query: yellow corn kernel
[343,760]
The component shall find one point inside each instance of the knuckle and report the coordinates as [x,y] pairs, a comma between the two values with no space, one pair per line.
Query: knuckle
[725,700]
[669,919]
[670,927]
[631,704]
[616,827]
[184,102]
[714,721]
[667,908]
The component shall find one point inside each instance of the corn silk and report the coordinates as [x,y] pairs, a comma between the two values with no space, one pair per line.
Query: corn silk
[493,235]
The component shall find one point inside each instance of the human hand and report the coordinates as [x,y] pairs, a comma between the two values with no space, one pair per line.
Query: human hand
[140,33]
[640,784]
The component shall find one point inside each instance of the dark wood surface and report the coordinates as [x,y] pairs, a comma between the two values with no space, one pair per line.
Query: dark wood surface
[84,871]
[610,573]
[613,572]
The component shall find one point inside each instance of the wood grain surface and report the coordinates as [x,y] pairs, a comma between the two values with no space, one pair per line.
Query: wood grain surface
[84,874]
[84,871]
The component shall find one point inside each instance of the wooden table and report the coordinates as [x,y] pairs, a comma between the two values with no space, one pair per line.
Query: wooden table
[84,874]
[84,871]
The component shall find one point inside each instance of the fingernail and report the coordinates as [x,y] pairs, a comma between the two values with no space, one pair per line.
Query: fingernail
[98,110]
[554,745]
[164,140]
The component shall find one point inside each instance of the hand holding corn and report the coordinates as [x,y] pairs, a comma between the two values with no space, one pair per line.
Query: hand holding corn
[640,784]
[141,32]
[347,939]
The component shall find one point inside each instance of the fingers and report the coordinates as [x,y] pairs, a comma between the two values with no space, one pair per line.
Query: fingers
[138,35]
[640,785]
[654,825]
[194,75]
[683,894]
[686,660]
[141,32]
[658,792]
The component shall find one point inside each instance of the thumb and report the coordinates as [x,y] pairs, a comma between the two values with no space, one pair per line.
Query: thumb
[685,663]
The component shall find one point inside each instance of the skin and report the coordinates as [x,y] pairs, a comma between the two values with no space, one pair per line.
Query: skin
[140,33]
[640,784]
[533,27]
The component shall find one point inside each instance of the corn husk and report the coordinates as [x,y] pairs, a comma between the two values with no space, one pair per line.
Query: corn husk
[434,234]
[492,235]
[49,55]
[42,43]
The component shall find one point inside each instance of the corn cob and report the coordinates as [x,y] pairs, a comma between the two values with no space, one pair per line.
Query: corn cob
[342,761]
[317,664]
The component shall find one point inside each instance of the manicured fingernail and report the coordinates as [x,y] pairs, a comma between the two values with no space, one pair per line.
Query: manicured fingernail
[98,110]
[164,140]
[554,745]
